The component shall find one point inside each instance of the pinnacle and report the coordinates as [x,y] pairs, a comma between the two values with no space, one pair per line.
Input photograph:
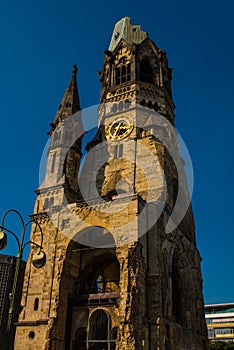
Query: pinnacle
[70,102]
[75,69]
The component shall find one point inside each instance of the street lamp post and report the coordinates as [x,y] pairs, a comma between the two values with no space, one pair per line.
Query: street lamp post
[38,260]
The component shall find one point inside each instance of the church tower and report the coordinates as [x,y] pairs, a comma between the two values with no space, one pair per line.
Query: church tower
[123,270]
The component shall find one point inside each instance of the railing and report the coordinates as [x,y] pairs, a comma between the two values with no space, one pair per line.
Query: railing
[98,298]
[226,335]
[104,286]
[220,325]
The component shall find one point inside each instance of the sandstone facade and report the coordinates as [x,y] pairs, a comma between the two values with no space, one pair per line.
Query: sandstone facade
[114,277]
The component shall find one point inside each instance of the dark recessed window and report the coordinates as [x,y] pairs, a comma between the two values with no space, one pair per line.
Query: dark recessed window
[156,107]
[100,335]
[99,323]
[114,333]
[146,71]
[36,304]
[31,335]
[150,104]
[80,339]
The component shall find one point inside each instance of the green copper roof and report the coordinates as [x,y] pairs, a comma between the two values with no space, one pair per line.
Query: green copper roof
[127,31]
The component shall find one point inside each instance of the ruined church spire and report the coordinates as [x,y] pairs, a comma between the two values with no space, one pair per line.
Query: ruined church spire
[70,102]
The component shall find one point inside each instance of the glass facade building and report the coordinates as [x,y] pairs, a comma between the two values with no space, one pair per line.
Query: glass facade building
[7,270]
[220,321]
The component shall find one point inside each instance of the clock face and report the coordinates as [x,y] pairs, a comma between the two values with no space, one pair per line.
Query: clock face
[120,128]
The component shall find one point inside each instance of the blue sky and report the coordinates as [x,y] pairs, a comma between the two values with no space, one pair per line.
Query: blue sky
[39,43]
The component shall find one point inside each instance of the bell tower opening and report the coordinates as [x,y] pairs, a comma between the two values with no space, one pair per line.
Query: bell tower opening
[123,71]
[146,71]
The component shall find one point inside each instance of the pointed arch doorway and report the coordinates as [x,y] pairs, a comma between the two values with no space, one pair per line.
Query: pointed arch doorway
[92,316]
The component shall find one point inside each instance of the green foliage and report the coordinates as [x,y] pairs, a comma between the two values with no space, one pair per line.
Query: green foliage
[221,345]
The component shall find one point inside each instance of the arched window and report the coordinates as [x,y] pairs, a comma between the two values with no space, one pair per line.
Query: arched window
[146,71]
[53,162]
[51,201]
[114,333]
[150,104]
[46,203]
[123,71]
[80,339]
[99,325]
[101,336]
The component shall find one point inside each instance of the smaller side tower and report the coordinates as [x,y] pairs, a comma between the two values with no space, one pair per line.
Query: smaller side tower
[61,181]
[40,297]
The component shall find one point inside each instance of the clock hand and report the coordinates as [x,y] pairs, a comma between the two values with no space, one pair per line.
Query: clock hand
[116,130]
[123,126]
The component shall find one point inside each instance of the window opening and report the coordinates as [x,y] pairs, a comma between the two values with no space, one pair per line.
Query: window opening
[101,336]
[80,339]
[123,71]
[146,71]
[118,151]
[53,162]
[36,304]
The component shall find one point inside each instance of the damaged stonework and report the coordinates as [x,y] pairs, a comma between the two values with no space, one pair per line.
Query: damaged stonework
[132,326]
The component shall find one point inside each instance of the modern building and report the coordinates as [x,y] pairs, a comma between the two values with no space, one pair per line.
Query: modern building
[7,269]
[122,272]
[220,322]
